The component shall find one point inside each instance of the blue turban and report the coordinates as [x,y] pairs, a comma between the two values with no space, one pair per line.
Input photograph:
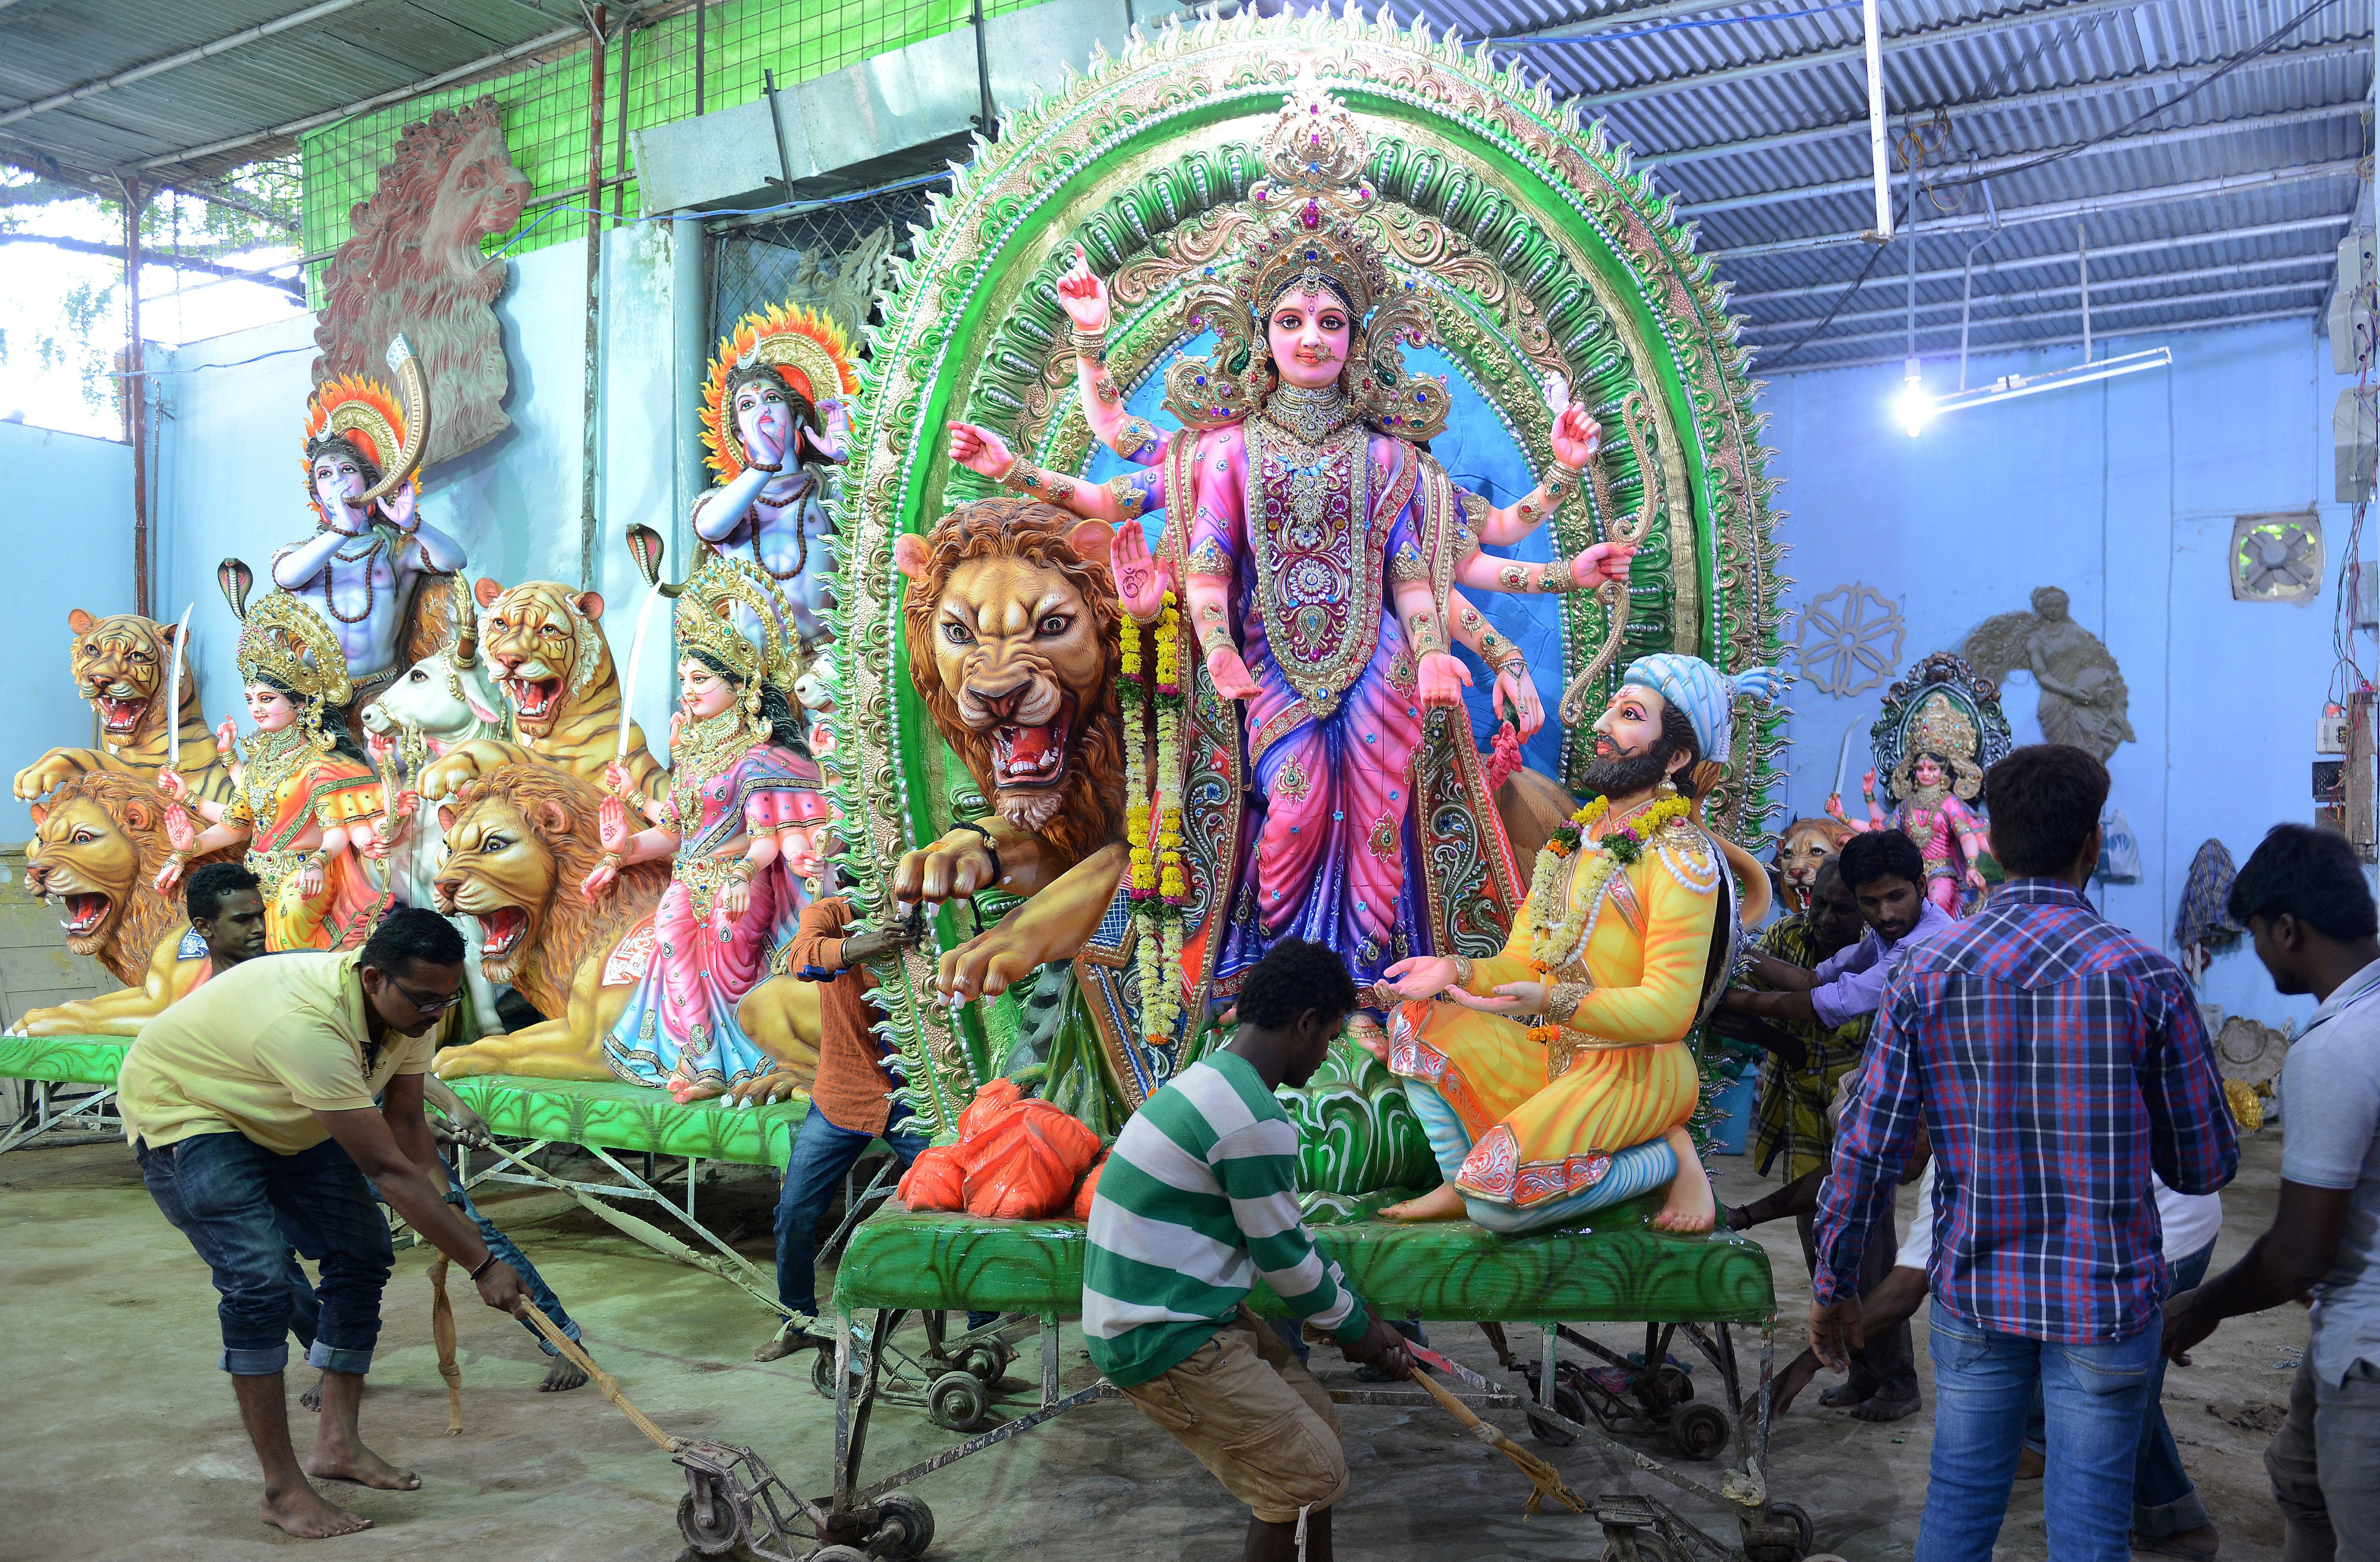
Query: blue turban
[1705,695]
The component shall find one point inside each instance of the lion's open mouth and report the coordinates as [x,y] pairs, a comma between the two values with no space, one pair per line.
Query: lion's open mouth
[122,715]
[501,931]
[85,911]
[1029,759]
[534,697]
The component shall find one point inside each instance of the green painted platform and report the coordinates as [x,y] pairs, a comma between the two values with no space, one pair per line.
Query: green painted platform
[1616,1270]
[606,1114]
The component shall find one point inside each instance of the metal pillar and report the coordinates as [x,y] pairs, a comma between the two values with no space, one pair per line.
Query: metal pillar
[690,332]
[135,392]
[594,353]
[1880,151]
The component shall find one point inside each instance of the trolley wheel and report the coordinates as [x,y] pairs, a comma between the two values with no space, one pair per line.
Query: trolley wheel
[840,1554]
[957,1402]
[1781,1534]
[822,1373]
[987,1362]
[712,1530]
[1568,1402]
[1699,1431]
[917,1522]
[1678,1383]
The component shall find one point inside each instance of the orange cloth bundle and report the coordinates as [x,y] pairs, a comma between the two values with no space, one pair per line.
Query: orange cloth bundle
[1091,1186]
[1016,1159]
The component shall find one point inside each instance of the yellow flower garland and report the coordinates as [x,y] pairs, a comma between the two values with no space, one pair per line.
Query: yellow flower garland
[1555,943]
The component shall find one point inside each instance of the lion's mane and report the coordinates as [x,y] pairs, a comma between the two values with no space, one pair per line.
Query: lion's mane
[386,279]
[569,931]
[132,802]
[1090,806]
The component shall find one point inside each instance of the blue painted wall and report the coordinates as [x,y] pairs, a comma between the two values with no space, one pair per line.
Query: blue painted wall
[2123,492]
[69,522]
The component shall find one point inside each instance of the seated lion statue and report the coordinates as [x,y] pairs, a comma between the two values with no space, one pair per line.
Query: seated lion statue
[519,841]
[544,646]
[120,663]
[97,845]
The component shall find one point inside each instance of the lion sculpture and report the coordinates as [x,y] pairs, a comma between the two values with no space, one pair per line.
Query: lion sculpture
[1011,625]
[414,266]
[544,644]
[97,845]
[120,663]
[519,841]
[1804,844]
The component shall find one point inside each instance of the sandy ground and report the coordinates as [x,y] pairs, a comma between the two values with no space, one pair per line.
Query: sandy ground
[121,1440]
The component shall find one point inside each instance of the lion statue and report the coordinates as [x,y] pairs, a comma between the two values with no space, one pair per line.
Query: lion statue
[414,266]
[119,664]
[519,841]
[97,845]
[544,644]
[1804,844]
[1011,625]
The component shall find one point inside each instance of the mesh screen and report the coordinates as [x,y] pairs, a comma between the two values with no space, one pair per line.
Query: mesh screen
[545,106]
[834,259]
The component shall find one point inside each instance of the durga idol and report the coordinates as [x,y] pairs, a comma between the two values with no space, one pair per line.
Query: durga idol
[305,801]
[1319,546]
[738,825]
[1554,1079]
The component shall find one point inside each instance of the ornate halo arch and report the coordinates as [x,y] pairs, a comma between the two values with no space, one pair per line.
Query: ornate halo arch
[366,413]
[1939,705]
[806,347]
[1528,246]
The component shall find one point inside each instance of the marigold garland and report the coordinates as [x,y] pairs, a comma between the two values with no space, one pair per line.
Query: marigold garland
[1553,944]
[1160,882]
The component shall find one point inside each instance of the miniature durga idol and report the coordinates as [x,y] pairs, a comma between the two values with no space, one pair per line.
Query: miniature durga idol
[1318,546]
[1554,1080]
[738,825]
[305,802]
[1937,773]
[773,420]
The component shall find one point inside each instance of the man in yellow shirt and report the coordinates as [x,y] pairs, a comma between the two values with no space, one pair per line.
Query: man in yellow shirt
[249,1104]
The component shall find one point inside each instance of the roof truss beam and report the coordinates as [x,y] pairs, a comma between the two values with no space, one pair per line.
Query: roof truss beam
[2097,309]
[322,11]
[2027,343]
[1987,307]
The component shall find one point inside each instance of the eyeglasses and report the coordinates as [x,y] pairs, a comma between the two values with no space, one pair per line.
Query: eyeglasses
[429,1005]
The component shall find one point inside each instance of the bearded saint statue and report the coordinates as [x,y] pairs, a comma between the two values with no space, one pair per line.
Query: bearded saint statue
[1318,546]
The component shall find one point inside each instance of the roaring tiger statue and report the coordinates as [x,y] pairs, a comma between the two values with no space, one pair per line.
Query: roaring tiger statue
[1804,845]
[545,647]
[1011,625]
[98,842]
[119,664]
[520,839]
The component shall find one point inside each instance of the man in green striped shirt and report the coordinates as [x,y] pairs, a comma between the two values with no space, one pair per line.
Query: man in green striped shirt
[1199,1199]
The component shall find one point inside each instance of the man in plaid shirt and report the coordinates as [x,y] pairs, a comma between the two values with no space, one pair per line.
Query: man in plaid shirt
[2055,1061]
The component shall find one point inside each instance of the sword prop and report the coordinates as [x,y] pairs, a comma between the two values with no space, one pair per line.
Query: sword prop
[1842,757]
[645,545]
[173,694]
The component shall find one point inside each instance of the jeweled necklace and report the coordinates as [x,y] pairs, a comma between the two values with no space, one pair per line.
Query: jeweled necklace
[702,750]
[270,760]
[1311,415]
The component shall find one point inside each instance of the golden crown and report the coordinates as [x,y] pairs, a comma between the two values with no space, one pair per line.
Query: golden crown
[1941,729]
[283,640]
[752,645]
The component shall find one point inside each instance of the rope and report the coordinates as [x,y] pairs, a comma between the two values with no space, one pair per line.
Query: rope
[603,1380]
[441,1329]
[1543,1479]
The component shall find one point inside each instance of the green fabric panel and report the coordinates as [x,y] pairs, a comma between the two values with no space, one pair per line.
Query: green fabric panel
[1616,1271]
[63,1060]
[617,1116]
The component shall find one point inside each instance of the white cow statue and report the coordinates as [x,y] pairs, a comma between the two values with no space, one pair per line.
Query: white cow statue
[444,699]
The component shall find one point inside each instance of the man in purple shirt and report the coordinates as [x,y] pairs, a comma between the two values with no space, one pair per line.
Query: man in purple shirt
[1886,875]
[2055,1060]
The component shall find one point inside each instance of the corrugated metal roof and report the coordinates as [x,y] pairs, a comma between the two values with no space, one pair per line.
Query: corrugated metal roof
[337,53]
[2015,82]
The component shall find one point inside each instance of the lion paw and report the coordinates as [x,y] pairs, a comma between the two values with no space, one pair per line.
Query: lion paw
[462,1062]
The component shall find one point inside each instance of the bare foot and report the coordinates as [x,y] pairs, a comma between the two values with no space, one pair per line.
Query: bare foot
[2202,1542]
[363,1467]
[1690,1206]
[1843,1396]
[1442,1203]
[786,1342]
[303,1513]
[2030,1463]
[564,1375]
[1879,1409]
[313,1399]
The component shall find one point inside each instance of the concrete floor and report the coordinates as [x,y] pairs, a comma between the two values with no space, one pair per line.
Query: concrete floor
[121,1441]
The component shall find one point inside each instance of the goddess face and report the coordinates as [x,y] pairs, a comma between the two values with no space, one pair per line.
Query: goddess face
[1926,772]
[269,708]
[702,692]
[1309,333]
[338,479]
[763,408]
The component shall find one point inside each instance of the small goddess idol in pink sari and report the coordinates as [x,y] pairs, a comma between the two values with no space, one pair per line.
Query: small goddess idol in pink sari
[740,823]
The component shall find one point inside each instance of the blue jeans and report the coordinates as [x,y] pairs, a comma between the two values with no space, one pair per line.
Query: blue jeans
[823,1155]
[541,1295]
[1984,1384]
[243,1207]
[2164,1500]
